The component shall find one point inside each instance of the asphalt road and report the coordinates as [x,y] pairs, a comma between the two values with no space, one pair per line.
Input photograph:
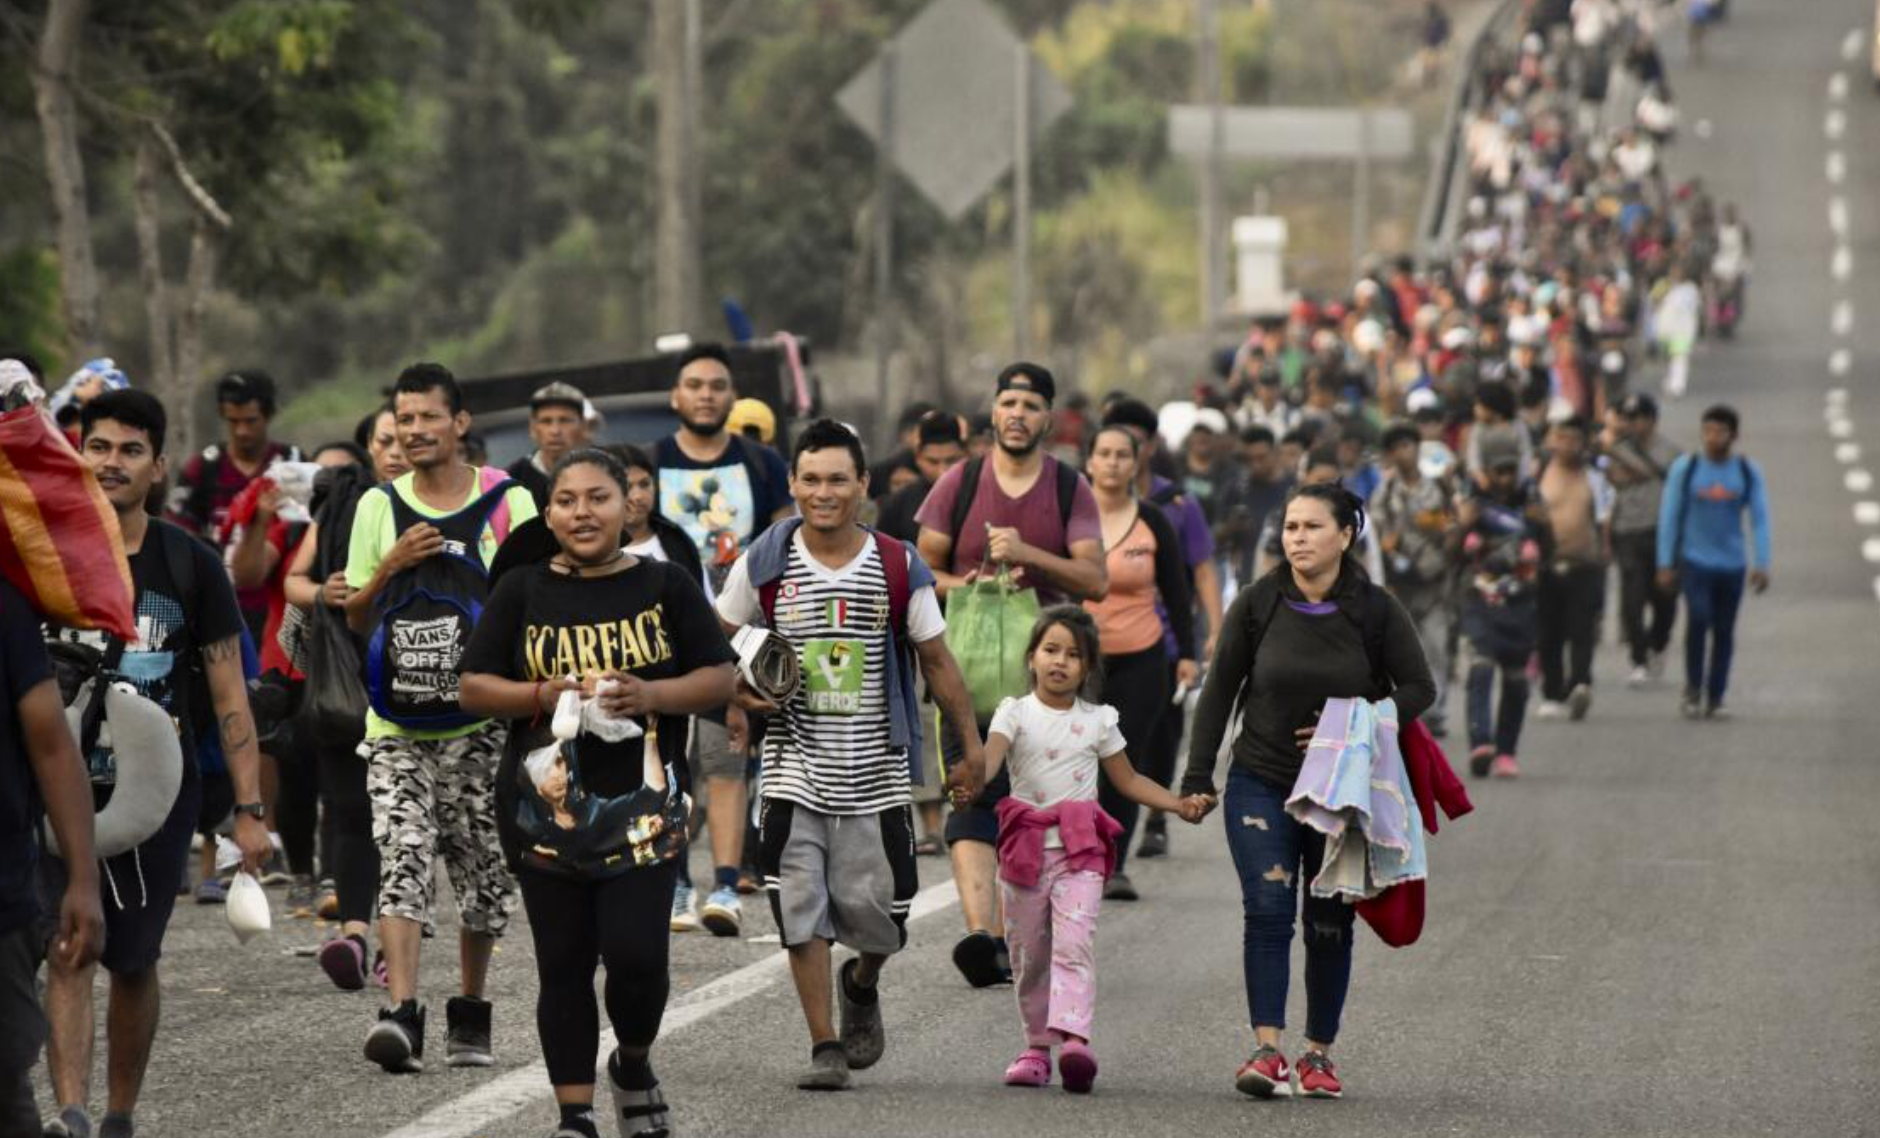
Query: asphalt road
[1663,928]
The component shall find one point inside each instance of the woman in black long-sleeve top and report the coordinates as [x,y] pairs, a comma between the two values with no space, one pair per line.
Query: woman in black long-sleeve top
[1308,631]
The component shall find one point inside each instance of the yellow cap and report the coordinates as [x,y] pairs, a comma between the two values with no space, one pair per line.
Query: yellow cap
[749,412]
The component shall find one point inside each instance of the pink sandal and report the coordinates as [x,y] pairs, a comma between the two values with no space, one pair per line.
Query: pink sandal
[1032,1068]
[1078,1066]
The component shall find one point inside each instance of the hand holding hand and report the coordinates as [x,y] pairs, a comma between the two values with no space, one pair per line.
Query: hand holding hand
[1195,807]
[966,779]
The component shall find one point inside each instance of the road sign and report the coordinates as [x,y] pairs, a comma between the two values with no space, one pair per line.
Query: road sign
[1294,132]
[955,106]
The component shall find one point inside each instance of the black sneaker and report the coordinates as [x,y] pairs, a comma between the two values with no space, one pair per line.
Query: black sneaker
[638,1113]
[1154,839]
[396,1042]
[467,1042]
[1119,888]
[976,956]
[863,1038]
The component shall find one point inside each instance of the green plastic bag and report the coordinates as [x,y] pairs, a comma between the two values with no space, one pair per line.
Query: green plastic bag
[989,623]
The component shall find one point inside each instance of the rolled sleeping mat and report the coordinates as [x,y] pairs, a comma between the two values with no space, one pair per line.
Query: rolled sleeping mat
[768,663]
[149,771]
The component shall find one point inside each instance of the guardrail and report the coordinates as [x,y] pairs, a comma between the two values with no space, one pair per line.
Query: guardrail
[1444,194]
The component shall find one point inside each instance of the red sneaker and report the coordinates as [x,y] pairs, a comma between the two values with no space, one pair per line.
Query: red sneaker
[1265,1075]
[1504,766]
[1317,1078]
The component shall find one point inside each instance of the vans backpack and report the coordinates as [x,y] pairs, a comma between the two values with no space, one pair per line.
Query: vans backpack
[424,617]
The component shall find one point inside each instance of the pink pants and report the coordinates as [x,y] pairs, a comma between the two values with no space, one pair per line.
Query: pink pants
[1051,931]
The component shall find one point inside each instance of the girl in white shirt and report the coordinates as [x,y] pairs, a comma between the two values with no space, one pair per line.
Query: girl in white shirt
[1056,845]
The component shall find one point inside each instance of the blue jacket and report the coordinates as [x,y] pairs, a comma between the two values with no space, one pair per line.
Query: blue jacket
[767,558]
[1711,520]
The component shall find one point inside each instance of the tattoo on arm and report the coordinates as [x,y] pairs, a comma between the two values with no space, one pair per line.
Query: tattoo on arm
[228,648]
[238,730]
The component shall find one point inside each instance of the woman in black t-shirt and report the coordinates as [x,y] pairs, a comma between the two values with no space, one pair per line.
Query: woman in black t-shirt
[591,826]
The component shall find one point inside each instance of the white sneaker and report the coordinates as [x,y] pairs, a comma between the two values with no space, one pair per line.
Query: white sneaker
[1640,676]
[1655,665]
[684,909]
[1551,709]
[723,915]
[1579,701]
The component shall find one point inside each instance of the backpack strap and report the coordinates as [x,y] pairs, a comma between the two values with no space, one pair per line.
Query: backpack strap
[466,525]
[1684,507]
[963,500]
[1067,480]
[1164,495]
[894,566]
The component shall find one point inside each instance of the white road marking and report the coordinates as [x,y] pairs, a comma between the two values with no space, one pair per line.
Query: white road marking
[1839,361]
[1858,480]
[1847,453]
[503,1096]
[1841,428]
[1837,86]
[1702,128]
[1867,513]
[1870,549]
[1851,43]
[1841,265]
[1837,167]
[1834,123]
[1843,320]
[1837,215]
[1837,396]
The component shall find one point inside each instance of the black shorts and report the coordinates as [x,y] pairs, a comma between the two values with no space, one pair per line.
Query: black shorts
[978,820]
[138,888]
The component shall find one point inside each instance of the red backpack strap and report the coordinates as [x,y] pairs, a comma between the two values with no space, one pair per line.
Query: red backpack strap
[767,600]
[894,568]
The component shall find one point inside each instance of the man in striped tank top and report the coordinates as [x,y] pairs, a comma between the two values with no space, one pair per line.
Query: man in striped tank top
[837,837]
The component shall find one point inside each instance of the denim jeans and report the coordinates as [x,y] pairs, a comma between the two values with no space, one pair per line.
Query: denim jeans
[1500,640]
[1276,857]
[1711,599]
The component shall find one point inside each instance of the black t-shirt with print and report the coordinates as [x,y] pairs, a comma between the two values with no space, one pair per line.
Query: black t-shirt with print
[175,621]
[651,620]
[23,667]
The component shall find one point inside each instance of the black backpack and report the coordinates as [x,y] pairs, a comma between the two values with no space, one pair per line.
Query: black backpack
[424,617]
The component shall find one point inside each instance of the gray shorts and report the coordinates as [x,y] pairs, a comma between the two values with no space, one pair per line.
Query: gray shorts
[712,756]
[838,877]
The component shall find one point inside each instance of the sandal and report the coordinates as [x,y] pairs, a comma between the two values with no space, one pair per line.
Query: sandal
[640,1114]
[1032,1068]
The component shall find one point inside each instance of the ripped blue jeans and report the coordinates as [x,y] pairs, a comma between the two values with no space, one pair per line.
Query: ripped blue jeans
[1277,858]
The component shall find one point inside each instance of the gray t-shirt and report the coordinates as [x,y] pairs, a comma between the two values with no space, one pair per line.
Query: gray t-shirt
[1635,506]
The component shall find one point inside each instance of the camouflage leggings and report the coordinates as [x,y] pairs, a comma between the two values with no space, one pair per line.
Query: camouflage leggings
[434,797]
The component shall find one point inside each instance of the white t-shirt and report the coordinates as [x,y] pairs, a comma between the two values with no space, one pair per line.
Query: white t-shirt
[651,550]
[1055,754]
[829,749]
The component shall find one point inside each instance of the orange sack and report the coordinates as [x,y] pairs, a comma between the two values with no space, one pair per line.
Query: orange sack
[59,538]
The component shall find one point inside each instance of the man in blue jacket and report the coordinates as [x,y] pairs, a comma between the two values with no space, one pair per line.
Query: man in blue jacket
[1701,550]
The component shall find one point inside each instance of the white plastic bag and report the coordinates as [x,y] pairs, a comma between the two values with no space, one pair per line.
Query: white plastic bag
[574,715]
[295,481]
[247,907]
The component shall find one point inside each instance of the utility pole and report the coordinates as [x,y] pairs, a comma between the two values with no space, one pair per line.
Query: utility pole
[1021,201]
[1208,77]
[884,239]
[676,47]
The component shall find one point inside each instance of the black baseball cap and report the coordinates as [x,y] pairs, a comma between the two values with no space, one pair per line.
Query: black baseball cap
[1024,376]
[1639,406]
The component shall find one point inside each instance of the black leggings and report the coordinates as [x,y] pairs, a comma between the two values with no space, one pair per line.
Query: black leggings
[351,855]
[297,804]
[1136,685]
[622,922]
